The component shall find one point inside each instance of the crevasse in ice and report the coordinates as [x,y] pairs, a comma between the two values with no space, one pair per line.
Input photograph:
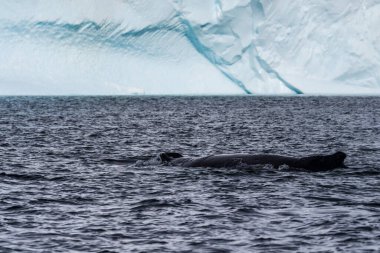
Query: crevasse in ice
[189,47]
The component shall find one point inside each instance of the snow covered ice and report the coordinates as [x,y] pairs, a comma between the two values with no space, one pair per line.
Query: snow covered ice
[55,47]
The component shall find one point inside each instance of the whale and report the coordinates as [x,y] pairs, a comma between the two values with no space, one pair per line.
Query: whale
[309,163]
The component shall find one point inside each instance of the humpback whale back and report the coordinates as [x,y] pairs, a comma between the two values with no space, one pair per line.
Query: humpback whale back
[311,163]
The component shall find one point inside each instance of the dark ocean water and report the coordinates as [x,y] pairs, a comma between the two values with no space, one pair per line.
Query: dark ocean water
[75,175]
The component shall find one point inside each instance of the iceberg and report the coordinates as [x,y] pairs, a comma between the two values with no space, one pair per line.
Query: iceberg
[122,47]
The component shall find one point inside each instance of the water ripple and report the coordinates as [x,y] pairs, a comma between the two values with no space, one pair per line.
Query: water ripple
[79,174]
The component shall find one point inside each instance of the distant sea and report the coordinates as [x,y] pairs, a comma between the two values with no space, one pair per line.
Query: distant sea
[77,174]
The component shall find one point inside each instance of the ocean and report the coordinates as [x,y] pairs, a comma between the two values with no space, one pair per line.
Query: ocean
[79,174]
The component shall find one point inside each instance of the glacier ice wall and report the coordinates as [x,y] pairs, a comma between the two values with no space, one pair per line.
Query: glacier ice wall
[189,47]
[323,46]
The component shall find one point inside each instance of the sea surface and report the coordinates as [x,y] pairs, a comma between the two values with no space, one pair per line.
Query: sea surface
[79,174]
